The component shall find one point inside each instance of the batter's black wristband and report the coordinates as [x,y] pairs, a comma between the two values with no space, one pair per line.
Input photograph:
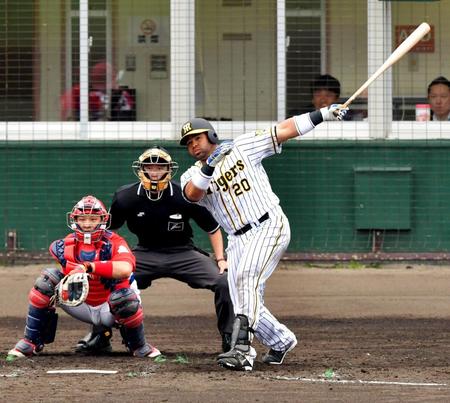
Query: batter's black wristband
[207,170]
[316,117]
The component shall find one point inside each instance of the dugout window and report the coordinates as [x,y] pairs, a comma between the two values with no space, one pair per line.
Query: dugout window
[141,37]
[236,60]
[17,60]
[124,38]
[426,61]
[325,37]
[249,61]
[305,33]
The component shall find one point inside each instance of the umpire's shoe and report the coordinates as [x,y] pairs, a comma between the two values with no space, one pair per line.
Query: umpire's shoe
[274,357]
[95,343]
[226,342]
[240,358]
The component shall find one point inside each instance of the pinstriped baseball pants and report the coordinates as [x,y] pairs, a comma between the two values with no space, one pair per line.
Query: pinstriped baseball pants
[252,258]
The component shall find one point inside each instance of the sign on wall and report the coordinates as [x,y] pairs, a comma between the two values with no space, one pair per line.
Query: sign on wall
[425,45]
[148,31]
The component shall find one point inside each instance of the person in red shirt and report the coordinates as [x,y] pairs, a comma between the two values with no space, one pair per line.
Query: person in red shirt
[113,298]
[102,80]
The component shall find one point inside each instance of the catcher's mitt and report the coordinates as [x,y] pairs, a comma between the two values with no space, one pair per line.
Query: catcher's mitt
[73,289]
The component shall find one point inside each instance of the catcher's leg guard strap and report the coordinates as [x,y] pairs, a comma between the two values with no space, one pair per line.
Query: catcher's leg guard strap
[134,320]
[37,299]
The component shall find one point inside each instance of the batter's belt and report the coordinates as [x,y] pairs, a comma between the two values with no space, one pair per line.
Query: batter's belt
[248,227]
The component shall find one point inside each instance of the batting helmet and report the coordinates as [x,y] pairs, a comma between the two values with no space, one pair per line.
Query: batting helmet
[88,206]
[142,167]
[196,126]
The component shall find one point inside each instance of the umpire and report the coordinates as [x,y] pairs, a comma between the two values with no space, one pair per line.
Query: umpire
[156,212]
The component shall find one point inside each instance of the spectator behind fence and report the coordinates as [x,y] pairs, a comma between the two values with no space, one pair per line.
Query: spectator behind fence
[325,91]
[439,98]
[102,81]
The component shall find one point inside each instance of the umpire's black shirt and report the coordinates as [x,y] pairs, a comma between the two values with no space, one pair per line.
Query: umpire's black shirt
[161,225]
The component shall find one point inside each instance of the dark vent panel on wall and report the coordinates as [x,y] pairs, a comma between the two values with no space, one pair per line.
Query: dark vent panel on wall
[236,3]
[237,36]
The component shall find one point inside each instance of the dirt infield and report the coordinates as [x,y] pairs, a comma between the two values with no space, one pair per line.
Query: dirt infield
[364,335]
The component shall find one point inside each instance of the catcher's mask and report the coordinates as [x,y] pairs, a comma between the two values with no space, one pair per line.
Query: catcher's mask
[155,169]
[197,126]
[88,206]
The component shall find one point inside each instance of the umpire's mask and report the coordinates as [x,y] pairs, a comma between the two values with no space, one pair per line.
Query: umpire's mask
[155,169]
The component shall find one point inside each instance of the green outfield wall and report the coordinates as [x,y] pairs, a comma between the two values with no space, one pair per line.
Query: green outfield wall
[337,194]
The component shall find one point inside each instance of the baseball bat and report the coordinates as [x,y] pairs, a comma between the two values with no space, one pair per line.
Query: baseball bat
[396,55]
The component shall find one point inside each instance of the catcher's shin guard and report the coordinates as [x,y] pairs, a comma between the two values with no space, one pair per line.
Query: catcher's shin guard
[134,340]
[241,355]
[49,330]
[40,327]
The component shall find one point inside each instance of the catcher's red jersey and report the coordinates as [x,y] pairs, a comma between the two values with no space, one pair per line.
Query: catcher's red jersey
[112,247]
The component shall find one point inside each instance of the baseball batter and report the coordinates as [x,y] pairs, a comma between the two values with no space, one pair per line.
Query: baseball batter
[230,181]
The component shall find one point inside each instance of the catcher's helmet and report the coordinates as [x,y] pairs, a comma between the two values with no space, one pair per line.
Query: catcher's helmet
[167,169]
[88,205]
[196,126]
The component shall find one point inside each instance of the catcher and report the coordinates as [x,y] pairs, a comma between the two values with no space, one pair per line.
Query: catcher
[95,285]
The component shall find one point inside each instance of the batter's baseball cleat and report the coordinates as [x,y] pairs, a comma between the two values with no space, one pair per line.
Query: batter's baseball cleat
[274,357]
[95,343]
[147,350]
[24,348]
[240,358]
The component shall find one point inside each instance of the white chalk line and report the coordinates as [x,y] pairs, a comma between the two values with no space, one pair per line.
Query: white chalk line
[357,381]
[81,371]
[11,375]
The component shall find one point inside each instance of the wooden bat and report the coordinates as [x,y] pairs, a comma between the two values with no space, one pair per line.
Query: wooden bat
[396,55]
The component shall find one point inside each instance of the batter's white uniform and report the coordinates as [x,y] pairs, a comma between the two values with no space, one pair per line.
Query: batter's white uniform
[240,197]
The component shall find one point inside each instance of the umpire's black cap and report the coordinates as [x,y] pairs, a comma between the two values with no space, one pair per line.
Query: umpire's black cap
[196,126]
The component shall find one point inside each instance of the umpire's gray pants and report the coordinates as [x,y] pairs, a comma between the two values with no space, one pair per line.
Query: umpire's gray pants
[190,267]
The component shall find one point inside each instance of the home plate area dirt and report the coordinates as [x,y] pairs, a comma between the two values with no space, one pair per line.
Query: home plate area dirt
[364,335]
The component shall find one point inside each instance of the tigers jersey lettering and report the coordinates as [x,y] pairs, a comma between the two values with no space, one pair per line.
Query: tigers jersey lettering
[239,180]
[225,178]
